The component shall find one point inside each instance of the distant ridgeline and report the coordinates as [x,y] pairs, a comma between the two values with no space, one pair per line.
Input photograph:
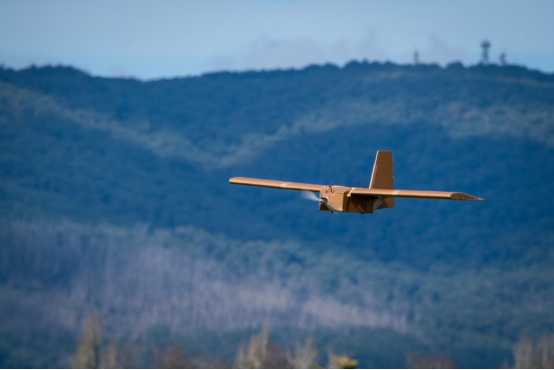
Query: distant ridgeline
[114,196]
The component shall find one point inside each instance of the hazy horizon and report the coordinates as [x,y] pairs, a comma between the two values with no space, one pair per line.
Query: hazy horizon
[147,40]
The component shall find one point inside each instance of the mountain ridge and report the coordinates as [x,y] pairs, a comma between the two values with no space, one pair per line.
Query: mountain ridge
[78,152]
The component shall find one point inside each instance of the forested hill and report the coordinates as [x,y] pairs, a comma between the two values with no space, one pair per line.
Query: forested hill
[161,152]
[91,163]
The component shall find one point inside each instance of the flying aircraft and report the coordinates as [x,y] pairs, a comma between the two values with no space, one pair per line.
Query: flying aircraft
[335,198]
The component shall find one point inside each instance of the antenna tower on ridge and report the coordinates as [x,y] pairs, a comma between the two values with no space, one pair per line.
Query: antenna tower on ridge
[503,61]
[485,45]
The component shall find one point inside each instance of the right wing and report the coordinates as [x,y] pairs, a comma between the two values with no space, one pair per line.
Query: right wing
[275,184]
[385,193]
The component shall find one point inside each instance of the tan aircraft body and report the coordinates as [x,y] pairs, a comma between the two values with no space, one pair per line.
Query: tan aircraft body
[380,194]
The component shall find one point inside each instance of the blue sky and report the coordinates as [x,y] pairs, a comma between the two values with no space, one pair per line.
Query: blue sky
[154,39]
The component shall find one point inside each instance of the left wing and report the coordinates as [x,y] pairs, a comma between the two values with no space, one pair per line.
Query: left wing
[275,184]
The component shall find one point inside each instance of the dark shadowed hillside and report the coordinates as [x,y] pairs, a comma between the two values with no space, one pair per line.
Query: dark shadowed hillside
[115,197]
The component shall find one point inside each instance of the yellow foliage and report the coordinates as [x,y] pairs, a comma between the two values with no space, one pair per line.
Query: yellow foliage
[341,362]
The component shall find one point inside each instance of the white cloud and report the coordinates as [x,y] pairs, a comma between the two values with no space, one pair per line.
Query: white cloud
[439,51]
[271,53]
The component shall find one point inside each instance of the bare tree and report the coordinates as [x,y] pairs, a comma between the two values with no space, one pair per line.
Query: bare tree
[304,357]
[109,358]
[90,355]
[529,354]
[261,353]
[87,355]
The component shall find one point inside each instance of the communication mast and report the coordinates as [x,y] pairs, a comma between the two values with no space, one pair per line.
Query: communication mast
[485,45]
[503,61]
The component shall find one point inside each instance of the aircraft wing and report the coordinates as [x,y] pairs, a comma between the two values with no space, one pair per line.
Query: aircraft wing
[386,193]
[275,184]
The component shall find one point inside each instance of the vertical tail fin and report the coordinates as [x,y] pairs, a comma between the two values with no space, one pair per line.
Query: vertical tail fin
[382,176]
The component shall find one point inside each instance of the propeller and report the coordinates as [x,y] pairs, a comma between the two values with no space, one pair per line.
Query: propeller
[310,196]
